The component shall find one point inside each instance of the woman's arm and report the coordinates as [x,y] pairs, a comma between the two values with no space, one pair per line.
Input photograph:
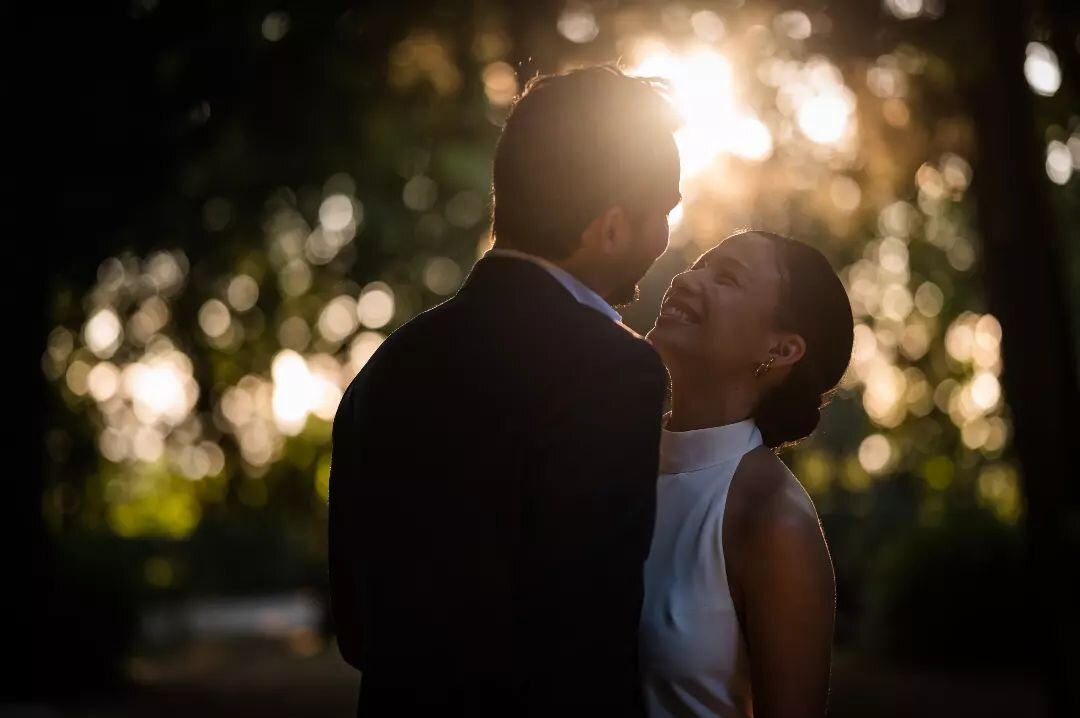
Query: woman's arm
[788,597]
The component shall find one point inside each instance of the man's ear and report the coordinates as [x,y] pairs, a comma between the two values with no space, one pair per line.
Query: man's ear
[614,230]
[787,349]
[608,233]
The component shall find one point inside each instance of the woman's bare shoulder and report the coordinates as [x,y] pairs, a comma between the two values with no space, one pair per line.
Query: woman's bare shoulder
[766,497]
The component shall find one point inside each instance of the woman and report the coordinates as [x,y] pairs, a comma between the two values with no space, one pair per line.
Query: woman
[739,587]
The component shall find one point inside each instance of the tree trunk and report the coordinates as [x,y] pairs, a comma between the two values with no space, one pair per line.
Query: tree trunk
[1026,291]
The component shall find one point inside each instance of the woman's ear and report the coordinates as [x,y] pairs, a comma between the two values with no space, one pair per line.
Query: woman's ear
[787,349]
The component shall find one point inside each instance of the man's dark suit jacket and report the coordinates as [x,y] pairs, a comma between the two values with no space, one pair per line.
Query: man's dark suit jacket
[492,497]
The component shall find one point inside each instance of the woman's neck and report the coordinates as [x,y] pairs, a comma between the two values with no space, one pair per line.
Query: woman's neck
[703,404]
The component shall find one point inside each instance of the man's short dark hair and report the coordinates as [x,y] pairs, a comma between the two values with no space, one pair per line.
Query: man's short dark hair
[574,145]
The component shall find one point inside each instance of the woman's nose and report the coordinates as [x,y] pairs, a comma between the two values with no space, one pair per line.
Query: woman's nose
[688,281]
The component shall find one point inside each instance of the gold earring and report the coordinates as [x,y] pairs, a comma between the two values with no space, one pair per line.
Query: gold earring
[764,367]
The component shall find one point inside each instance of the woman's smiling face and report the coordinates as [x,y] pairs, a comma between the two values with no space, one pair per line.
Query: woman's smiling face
[719,315]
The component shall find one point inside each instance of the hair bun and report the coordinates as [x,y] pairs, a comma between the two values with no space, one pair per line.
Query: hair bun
[788,414]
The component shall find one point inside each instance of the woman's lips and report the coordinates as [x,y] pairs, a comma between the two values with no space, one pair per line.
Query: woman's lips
[678,308]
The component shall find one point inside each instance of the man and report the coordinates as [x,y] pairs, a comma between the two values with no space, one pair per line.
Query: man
[493,479]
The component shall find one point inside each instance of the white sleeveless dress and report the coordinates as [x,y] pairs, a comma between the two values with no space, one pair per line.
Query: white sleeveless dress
[692,650]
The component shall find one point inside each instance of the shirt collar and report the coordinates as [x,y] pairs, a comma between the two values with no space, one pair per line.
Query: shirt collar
[575,286]
[683,451]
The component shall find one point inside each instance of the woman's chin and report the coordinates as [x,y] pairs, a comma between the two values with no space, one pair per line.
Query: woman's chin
[662,331]
[658,337]
[654,337]
[672,342]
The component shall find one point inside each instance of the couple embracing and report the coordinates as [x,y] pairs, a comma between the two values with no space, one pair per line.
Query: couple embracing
[536,512]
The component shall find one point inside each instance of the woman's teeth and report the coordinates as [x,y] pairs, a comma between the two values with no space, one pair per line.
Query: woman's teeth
[673,311]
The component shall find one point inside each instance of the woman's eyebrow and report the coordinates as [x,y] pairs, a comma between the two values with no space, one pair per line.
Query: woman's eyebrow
[723,261]
[735,262]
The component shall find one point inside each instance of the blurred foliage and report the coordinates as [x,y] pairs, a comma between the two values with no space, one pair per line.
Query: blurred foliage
[273,189]
[951,595]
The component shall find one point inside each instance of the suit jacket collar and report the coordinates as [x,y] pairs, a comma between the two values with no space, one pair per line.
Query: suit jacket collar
[577,289]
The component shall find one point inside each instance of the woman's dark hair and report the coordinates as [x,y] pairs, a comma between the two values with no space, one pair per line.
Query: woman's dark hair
[573,145]
[814,305]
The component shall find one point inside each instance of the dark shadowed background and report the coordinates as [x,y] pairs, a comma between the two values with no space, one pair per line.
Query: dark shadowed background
[245,198]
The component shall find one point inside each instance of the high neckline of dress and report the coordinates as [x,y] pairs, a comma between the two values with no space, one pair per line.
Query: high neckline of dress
[684,451]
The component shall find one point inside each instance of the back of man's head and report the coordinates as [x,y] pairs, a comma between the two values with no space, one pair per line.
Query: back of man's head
[575,145]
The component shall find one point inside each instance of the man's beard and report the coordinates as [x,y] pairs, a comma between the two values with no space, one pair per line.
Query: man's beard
[626,296]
